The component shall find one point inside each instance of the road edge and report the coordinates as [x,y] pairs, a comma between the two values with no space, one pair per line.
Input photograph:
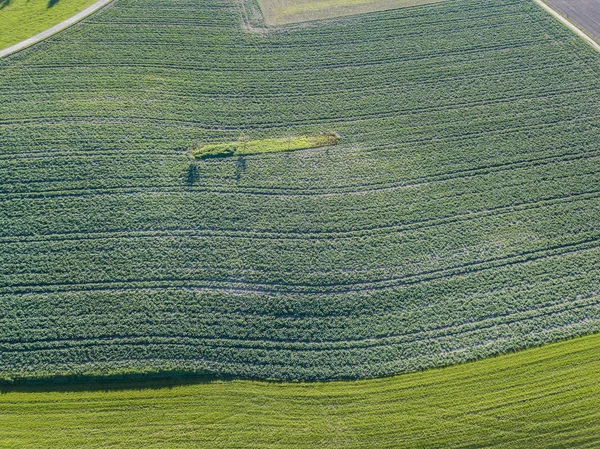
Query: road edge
[55,29]
[572,26]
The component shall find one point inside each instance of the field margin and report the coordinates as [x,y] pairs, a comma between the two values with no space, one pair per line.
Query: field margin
[550,394]
[55,29]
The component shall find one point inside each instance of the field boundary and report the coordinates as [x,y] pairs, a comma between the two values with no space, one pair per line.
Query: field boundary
[55,29]
[572,26]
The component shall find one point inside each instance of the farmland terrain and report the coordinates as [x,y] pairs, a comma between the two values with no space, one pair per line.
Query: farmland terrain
[539,398]
[458,217]
[21,19]
[584,13]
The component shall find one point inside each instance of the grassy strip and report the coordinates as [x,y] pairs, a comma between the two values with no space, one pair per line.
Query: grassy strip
[21,19]
[246,146]
[538,398]
[281,12]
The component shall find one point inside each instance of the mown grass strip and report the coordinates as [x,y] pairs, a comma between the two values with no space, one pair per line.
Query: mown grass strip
[245,146]
[538,398]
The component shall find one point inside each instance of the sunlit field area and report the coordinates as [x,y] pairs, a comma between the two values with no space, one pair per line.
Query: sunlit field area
[21,19]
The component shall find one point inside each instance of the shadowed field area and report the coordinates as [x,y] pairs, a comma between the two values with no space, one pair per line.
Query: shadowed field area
[539,398]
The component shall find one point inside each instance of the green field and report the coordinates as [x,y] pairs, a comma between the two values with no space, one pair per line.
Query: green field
[21,19]
[539,398]
[458,217]
[279,12]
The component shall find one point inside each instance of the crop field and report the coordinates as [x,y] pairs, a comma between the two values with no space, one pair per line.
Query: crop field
[279,12]
[457,218]
[584,13]
[21,19]
[539,398]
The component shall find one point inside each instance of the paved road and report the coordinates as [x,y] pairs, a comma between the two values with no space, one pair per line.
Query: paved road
[569,22]
[55,29]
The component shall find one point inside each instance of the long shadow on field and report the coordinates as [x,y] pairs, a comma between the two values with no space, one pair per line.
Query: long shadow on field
[240,167]
[152,381]
[4,3]
[193,174]
[51,3]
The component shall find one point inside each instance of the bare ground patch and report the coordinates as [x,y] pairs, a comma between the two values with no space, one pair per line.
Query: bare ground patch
[281,12]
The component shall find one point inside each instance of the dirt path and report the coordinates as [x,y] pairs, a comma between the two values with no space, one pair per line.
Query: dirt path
[55,29]
[569,24]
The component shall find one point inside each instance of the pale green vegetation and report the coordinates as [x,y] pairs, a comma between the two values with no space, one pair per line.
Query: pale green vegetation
[244,146]
[539,398]
[280,12]
[21,19]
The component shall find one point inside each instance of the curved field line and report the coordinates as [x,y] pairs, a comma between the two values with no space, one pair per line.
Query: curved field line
[274,235]
[55,29]
[228,68]
[362,286]
[326,315]
[322,120]
[5,155]
[167,188]
[467,327]
[417,82]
